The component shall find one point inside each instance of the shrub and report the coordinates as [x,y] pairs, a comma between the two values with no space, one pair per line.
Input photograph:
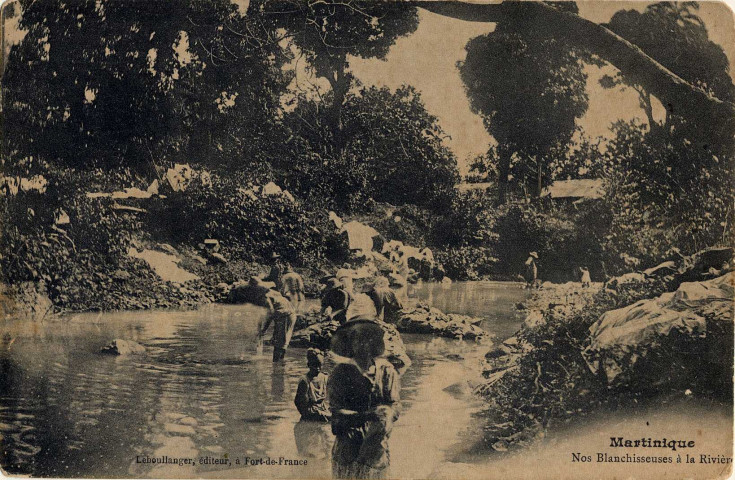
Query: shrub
[249,226]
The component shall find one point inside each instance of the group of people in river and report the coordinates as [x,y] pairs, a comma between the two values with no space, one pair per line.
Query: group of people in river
[360,398]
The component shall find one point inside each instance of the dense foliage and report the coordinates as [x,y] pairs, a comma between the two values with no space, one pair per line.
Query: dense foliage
[529,89]
[328,32]
[392,152]
[109,84]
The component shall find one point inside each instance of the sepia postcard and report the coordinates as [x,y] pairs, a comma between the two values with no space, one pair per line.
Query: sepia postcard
[399,239]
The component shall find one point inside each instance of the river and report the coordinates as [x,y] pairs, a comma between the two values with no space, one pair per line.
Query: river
[201,391]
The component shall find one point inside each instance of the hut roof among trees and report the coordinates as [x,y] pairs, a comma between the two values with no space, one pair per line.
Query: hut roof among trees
[584,188]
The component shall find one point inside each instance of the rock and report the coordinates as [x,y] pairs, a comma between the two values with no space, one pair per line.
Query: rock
[654,328]
[120,275]
[212,244]
[626,279]
[699,265]
[217,258]
[199,259]
[534,318]
[27,299]
[165,265]
[168,248]
[319,335]
[665,268]
[122,347]
[242,292]
[425,319]
[359,235]
[271,188]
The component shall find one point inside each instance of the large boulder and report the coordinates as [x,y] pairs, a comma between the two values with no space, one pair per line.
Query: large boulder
[319,335]
[426,319]
[26,299]
[706,263]
[241,292]
[690,320]
[122,347]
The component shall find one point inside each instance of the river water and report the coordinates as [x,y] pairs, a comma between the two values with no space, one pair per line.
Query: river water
[201,392]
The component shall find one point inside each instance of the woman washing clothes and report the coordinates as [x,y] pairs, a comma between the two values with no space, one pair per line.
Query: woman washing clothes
[363,395]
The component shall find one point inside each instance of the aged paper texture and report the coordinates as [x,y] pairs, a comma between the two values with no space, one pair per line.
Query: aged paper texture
[317,239]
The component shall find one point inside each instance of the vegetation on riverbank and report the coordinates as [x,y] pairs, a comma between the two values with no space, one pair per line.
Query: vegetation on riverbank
[541,376]
[176,136]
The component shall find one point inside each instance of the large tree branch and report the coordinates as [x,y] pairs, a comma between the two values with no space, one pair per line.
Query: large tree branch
[676,94]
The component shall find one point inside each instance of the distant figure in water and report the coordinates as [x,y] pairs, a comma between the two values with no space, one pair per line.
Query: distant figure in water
[585,276]
[311,394]
[293,287]
[531,270]
[364,399]
[276,271]
[281,313]
[336,301]
[387,304]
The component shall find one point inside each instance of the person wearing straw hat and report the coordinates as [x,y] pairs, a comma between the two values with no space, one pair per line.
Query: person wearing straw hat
[531,270]
[363,394]
[280,312]
[276,271]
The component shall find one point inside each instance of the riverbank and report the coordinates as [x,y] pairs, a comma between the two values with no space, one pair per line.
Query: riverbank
[661,334]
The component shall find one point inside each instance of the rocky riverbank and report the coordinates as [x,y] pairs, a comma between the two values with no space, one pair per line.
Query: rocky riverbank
[664,332]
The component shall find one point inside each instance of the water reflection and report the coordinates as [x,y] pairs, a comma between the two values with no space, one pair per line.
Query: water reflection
[199,390]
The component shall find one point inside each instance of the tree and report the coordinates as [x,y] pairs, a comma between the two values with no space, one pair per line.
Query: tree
[109,83]
[675,92]
[393,151]
[673,35]
[328,31]
[529,88]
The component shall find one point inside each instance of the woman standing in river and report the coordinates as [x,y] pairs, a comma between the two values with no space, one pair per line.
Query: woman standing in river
[364,399]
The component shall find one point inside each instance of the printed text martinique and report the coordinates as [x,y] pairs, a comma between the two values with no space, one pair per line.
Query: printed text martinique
[651,443]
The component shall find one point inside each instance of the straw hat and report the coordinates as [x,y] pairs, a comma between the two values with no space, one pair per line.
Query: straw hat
[360,330]
[275,255]
[534,255]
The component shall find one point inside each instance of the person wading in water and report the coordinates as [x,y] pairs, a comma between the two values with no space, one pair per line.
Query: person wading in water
[385,300]
[293,287]
[276,271]
[531,270]
[364,399]
[336,301]
[311,394]
[280,312]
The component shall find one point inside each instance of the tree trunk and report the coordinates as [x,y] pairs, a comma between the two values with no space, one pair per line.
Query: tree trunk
[340,84]
[539,182]
[503,172]
[676,94]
